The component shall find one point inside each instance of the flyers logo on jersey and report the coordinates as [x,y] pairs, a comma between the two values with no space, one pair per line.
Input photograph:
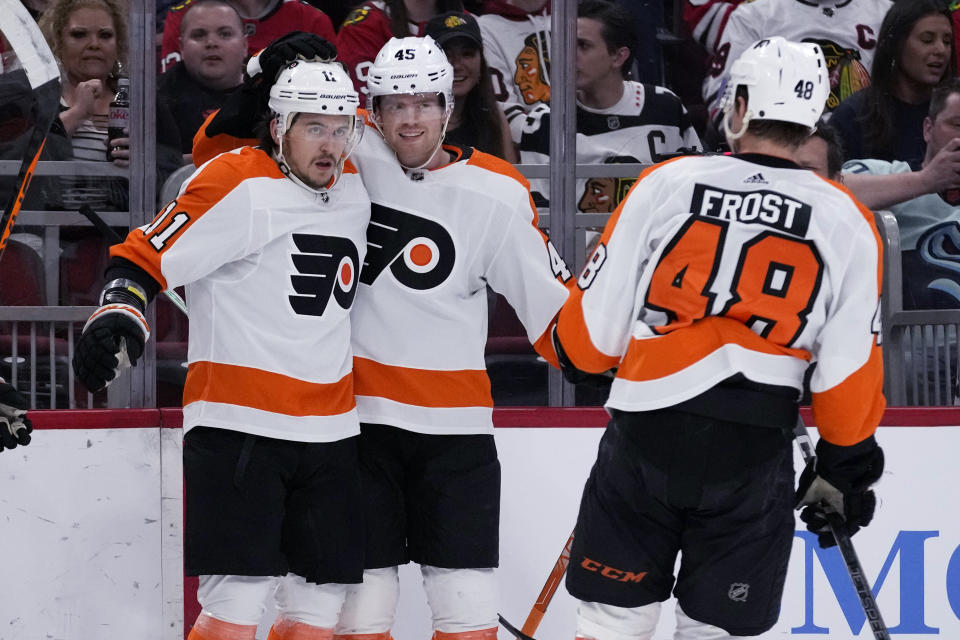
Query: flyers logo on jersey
[419,252]
[325,265]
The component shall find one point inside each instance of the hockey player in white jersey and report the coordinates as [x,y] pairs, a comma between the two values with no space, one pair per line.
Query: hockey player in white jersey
[845,30]
[269,242]
[447,222]
[715,284]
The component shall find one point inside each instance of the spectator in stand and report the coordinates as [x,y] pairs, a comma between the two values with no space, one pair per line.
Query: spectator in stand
[845,30]
[89,38]
[914,55]
[926,203]
[264,21]
[618,120]
[516,38]
[213,49]
[706,19]
[476,120]
[822,153]
[373,23]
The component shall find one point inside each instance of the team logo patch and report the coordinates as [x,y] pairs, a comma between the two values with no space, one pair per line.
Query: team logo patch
[613,123]
[357,15]
[738,591]
[419,252]
[756,178]
[326,267]
[847,73]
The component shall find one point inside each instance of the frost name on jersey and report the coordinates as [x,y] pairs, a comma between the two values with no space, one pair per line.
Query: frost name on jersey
[769,208]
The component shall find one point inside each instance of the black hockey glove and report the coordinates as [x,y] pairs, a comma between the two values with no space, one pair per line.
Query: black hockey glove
[293,46]
[15,426]
[243,109]
[576,376]
[112,340]
[840,478]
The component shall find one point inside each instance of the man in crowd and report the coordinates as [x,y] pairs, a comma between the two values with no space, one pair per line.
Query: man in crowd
[926,204]
[616,117]
[213,47]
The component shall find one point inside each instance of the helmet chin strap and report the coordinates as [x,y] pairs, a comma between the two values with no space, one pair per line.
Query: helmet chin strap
[731,135]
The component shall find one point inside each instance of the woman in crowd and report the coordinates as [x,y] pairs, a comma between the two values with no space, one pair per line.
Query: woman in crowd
[477,120]
[89,38]
[914,55]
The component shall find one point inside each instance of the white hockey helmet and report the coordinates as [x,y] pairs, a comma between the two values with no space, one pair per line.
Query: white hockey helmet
[411,65]
[786,81]
[314,87]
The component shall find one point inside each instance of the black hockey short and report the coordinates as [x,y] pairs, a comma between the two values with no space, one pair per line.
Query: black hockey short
[719,493]
[258,506]
[432,499]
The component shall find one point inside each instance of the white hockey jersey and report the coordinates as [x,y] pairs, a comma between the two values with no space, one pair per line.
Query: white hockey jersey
[517,51]
[436,240]
[271,271]
[724,265]
[645,124]
[846,31]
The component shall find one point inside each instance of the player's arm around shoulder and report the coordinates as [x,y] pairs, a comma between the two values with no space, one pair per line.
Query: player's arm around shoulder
[205,226]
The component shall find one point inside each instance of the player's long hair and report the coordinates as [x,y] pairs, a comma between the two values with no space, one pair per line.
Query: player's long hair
[399,19]
[877,120]
[481,113]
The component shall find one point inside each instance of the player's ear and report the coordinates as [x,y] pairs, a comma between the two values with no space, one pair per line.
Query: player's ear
[273,131]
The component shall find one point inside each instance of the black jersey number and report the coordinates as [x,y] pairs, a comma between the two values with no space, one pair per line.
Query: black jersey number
[772,290]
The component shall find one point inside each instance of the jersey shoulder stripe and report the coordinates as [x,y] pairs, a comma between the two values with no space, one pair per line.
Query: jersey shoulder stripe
[205,189]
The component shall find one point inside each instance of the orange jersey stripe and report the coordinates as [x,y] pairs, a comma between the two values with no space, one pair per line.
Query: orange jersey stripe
[422,387]
[654,358]
[206,148]
[204,192]
[850,411]
[267,391]
[498,165]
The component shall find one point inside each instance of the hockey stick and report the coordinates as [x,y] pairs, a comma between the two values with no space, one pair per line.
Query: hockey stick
[844,544]
[543,601]
[42,75]
[106,231]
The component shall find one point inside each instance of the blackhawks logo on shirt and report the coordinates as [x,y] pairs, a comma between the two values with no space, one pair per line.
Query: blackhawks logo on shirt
[357,15]
[847,73]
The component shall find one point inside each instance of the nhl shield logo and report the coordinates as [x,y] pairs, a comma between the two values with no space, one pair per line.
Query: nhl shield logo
[613,122]
[738,592]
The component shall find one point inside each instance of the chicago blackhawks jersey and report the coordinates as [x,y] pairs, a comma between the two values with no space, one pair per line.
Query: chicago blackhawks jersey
[846,31]
[706,20]
[724,265]
[363,33]
[281,18]
[271,270]
[516,46]
[647,123]
[436,240]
